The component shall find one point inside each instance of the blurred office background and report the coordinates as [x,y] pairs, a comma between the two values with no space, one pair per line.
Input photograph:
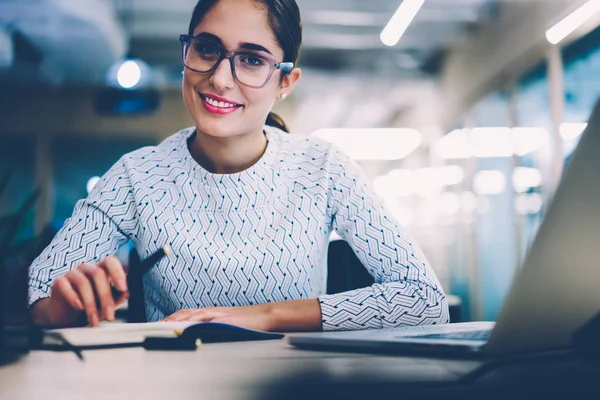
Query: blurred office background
[463,126]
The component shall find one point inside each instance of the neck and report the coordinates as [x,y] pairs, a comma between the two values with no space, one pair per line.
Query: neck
[227,155]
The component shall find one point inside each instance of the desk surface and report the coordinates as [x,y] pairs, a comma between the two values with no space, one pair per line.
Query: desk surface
[249,370]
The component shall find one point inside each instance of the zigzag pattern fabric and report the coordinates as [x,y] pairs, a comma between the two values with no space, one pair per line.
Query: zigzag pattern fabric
[247,238]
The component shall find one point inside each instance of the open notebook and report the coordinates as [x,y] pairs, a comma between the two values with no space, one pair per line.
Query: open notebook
[111,334]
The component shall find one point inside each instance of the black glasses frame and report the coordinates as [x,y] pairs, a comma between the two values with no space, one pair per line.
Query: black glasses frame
[274,65]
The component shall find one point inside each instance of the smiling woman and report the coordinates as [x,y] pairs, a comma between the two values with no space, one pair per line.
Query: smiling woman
[247,208]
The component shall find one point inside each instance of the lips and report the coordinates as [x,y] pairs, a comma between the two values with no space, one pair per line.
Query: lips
[219,105]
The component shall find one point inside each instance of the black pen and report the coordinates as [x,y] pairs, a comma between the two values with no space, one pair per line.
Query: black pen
[144,266]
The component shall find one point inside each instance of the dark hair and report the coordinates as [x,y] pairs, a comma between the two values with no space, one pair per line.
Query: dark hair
[285,21]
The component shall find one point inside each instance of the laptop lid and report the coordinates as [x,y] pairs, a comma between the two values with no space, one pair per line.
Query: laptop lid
[558,288]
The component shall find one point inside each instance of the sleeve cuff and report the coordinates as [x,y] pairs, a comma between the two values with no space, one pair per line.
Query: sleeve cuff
[37,291]
[354,310]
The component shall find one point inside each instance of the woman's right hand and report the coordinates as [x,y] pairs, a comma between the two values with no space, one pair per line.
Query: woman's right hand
[87,289]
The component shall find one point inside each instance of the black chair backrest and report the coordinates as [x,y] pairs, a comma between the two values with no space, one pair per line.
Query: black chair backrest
[344,270]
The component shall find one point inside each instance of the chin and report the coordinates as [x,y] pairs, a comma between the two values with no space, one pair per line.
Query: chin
[219,129]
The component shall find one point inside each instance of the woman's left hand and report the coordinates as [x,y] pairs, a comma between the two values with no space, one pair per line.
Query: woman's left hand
[251,317]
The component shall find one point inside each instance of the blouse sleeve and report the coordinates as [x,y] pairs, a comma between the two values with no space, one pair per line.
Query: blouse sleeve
[406,290]
[99,225]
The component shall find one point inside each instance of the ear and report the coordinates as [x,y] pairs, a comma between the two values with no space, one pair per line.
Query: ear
[289,81]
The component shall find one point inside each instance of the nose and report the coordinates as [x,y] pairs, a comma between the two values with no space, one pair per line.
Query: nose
[222,77]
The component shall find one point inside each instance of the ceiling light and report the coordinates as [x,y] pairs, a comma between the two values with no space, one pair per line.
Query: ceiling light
[529,203]
[573,21]
[449,204]
[373,143]
[492,142]
[526,178]
[490,182]
[572,130]
[129,74]
[428,182]
[468,201]
[454,145]
[400,21]
[451,175]
[394,184]
[528,140]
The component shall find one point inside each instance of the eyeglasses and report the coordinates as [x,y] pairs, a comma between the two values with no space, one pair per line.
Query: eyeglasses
[248,68]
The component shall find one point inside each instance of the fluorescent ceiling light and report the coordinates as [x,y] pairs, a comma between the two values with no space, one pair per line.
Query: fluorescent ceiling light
[455,145]
[373,143]
[573,21]
[425,182]
[451,175]
[400,21]
[491,142]
[572,130]
[403,214]
[529,203]
[526,178]
[528,140]
[449,204]
[428,182]
[490,182]
[396,183]
[469,201]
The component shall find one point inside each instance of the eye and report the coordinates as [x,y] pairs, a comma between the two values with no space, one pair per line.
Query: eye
[206,49]
[250,60]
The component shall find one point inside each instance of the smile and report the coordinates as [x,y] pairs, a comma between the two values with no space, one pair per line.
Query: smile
[218,106]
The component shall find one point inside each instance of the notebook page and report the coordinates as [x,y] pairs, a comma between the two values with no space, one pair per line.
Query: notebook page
[110,333]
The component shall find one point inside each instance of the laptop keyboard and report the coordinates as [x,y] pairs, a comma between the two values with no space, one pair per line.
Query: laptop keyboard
[468,335]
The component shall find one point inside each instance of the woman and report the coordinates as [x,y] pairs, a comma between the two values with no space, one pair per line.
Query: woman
[246,208]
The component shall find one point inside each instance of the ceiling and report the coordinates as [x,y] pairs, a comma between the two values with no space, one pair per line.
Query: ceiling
[64,41]
[338,34]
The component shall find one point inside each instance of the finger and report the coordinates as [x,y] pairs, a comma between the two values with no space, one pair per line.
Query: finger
[180,315]
[63,288]
[83,286]
[115,272]
[102,289]
[204,316]
[121,300]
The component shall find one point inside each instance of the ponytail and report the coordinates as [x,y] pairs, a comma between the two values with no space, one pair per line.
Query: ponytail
[277,122]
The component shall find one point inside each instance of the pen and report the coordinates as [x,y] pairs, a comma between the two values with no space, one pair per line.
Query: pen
[144,266]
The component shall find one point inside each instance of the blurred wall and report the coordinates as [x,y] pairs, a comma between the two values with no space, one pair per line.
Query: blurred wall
[69,110]
[52,138]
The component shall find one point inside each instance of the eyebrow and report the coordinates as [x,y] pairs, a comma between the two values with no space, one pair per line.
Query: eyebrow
[246,46]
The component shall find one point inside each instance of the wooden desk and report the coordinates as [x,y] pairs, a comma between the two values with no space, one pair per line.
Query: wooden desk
[251,370]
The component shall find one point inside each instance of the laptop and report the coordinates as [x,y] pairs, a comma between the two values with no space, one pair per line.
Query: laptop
[556,291]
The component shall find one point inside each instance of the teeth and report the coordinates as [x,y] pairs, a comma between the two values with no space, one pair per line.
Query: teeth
[220,104]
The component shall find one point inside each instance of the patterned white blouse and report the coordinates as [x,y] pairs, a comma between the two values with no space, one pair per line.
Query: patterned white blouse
[260,235]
